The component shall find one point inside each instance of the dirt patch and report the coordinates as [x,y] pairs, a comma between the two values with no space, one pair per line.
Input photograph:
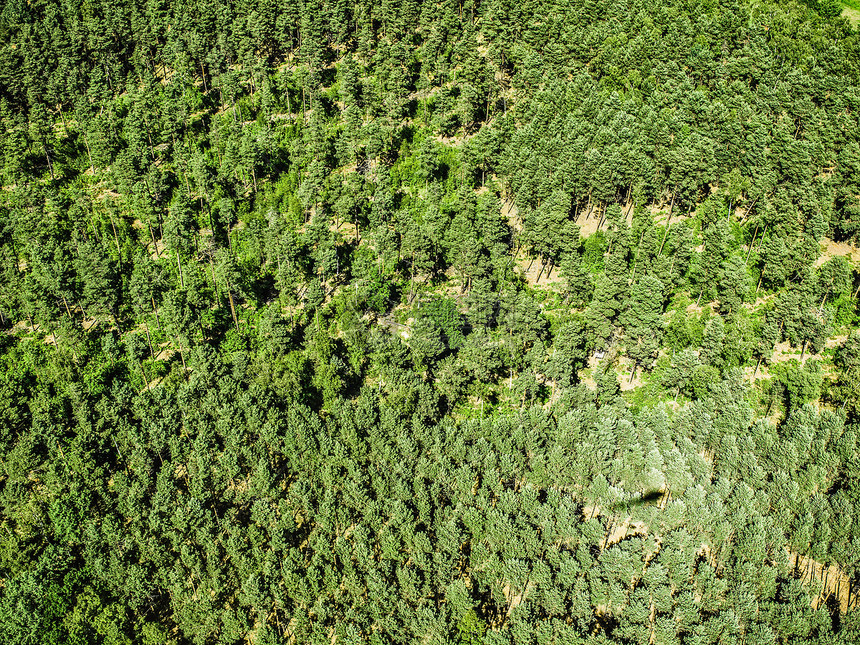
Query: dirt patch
[514,600]
[153,383]
[158,249]
[752,376]
[346,229]
[661,217]
[589,221]
[759,302]
[510,213]
[623,530]
[697,309]
[453,142]
[165,354]
[832,581]
[852,15]
[536,274]
[836,341]
[783,352]
[831,249]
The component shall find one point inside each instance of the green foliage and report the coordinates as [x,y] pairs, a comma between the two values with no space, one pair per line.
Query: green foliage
[272,371]
[802,383]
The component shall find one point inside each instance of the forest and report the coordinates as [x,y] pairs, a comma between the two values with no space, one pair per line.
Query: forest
[467,321]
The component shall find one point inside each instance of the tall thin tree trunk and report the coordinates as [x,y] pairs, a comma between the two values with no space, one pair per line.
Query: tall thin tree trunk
[179,264]
[215,282]
[152,235]
[50,164]
[149,340]
[752,243]
[602,216]
[115,239]
[540,273]
[668,221]
[761,239]
[232,307]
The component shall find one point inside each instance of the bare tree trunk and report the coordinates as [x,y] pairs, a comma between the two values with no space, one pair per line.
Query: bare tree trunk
[179,264]
[668,221]
[152,235]
[232,307]
[149,340]
[540,273]
[602,216]
[87,144]
[50,163]
[115,238]
[140,364]
[215,282]
[752,243]
[761,239]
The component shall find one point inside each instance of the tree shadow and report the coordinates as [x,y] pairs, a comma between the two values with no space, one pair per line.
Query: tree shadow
[650,498]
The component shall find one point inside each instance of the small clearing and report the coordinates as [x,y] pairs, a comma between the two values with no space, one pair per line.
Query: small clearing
[536,274]
[510,213]
[834,583]
[697,309]
[589,222]
[831,249]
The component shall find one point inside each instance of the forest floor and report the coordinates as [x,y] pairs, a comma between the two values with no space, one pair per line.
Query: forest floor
[831,249]
[536,274]
[626,367]
[853,15]
[834,582]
